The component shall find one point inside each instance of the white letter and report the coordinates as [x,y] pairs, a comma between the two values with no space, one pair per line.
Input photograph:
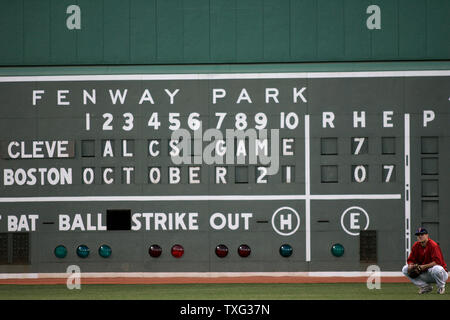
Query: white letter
[428,116]
[136,223]
[62,147]
[174,175]
[387,116]
[327,118]
[118,95]
[53,176]
[171,94]
[61,96]
[91,97]
[192,222]
[146,96]
[218,93]
[287,147]
[221,149]
[87,171]
[213,224]
[272,93]
[12,223]
[36,96]
[246,217]
[354,220]
[175,150]
[150,148]
[128,171]
[359,119]
[194,175]
[33,218]
[107,149]
[105,178]
[125,152]
[64,222]
[151,174]
[285,221]
[220,175]
[241,151]
[261,145]
[37,149]
[299,93]
[244,96]
[11,155]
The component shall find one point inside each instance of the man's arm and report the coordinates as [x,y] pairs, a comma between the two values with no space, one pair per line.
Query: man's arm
[424,267]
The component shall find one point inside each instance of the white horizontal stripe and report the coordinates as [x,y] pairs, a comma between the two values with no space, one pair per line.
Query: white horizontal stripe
[225,76]
[196,274]
[379,74]
[198,198]
[355,196]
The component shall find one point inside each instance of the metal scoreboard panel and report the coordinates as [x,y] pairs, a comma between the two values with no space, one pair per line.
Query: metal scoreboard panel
[352,152]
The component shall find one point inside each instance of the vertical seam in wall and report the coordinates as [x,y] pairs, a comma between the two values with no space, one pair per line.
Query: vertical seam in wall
[209,31]
[235,30]
[426,29]
[23,31]
[156,31]
[50,30]
[263,2]
[103,30]
[76,33]
[343,28]
[182,30]
[398,28]
[290,30]
[317,27]
[371,33]
[129,31]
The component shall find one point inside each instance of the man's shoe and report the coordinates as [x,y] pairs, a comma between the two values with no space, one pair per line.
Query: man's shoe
[441,290]
[425,289]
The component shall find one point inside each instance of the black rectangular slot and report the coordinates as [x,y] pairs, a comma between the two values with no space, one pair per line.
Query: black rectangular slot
[368,246]
[118,219]
[21,248]
[3,248]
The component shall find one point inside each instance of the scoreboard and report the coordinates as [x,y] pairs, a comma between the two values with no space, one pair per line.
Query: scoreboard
[214,172]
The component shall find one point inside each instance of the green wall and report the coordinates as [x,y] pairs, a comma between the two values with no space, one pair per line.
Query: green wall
[34,32]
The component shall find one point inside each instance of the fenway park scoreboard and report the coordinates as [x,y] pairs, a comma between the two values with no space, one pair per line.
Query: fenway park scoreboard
[213,168]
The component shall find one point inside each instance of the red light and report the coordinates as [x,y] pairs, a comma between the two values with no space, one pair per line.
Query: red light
[154,251]
[177,251]
[221,250]
[244,250]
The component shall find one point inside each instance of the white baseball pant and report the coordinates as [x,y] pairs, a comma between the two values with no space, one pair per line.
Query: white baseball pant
[436,274]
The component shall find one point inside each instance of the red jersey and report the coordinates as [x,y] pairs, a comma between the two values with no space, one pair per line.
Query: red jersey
[424,255]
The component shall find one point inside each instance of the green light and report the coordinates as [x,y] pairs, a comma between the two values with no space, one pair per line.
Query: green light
[337,250]
[60,251]
[286,250]
[104,251]
[82,251]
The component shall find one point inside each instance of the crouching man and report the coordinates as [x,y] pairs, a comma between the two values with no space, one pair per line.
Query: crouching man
[426,265]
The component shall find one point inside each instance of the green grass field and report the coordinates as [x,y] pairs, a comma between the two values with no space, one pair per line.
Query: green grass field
[316,291]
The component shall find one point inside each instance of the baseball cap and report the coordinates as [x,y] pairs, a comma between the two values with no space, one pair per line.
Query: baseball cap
[421,231]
